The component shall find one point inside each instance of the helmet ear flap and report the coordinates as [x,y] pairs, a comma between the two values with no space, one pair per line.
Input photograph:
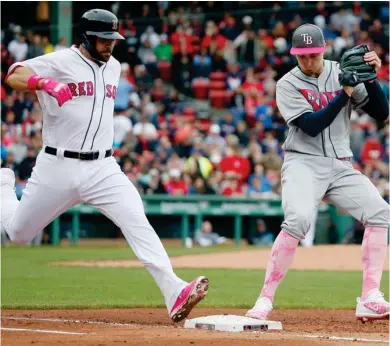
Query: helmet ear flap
[89,43]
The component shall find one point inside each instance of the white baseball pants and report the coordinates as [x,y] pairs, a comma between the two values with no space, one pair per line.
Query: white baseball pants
[58,183]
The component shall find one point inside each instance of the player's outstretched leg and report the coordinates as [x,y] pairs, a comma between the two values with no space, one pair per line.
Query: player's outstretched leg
[372,305]
[280,260]
[115,196]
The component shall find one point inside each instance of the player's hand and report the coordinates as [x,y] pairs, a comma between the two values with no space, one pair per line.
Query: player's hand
[59,91]
[348,90]
[372,58]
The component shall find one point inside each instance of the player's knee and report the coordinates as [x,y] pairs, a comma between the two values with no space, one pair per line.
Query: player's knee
[298,224]
[380,217]
[19,237]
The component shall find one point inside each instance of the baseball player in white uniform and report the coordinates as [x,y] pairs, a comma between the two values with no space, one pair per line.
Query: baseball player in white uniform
[317,164]
[76,88]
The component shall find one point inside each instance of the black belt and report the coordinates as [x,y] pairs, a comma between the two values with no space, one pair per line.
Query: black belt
[88,156]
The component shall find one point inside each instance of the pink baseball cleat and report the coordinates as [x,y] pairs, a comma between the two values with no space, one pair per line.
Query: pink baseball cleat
[375,307]
[191,295]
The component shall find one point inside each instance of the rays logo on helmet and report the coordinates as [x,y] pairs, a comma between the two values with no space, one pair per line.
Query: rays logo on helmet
[307,38]
[114,25]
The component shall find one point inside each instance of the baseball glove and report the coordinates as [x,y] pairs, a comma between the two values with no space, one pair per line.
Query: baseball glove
[354,70]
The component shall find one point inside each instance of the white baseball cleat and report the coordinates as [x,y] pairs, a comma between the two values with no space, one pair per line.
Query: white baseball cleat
[375,307]
[261,310]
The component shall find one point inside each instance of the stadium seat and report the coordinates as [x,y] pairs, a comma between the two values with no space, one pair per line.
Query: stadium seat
[200,88]
[217,85]
[165,68]
[220,98]
[217,76]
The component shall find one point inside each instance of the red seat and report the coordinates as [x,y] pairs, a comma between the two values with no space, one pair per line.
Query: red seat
[219,98]
[200,88]
[217,85]
[218,76]
[165,68]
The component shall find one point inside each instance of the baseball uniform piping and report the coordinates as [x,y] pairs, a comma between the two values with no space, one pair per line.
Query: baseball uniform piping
[330,139]
[101,114]
[94,97]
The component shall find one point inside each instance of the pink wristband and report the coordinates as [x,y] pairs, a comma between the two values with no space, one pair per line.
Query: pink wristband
[33,82]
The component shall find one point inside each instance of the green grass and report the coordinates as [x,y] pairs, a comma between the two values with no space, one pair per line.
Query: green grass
[30,282]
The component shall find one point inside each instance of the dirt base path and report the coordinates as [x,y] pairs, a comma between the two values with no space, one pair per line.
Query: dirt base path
[153,327]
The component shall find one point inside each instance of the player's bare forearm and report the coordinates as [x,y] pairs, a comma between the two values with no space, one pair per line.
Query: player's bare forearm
[18,79]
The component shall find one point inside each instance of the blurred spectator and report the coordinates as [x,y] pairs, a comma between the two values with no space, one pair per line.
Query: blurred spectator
[151,37]
[18,48]
[47,46]
[198,165]
[228,27]
[155,185]
[202,64]
[35,49]
[262,237]
[250,50]
[343,20]
[214,141]
[176,186]
[164,50]
[18,149]
[213,41]
[231,185]
[122,129]
[206,237]
[27,164]
[61,44]
[122,100]
[201,187]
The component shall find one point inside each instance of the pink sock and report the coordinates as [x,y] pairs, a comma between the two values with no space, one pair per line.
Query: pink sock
[280,259]
[374,250]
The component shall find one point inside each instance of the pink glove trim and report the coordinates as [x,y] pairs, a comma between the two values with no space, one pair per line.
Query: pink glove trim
[33,82]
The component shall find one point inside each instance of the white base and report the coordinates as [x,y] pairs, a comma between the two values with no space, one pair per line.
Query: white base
[232,323]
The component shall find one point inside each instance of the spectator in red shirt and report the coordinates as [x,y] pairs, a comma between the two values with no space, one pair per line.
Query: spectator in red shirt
[213,40]
[181,41]
[251,81]
[372,150]
[176,186]
[231,186]
[233,162]
[252,100]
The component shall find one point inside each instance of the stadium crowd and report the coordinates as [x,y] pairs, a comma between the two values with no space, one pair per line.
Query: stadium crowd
[171,132]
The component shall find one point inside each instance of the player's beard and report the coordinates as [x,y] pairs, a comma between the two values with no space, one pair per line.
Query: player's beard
[90,46]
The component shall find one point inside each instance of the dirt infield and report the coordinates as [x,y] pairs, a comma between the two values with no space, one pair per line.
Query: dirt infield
[153,327]
[324,257]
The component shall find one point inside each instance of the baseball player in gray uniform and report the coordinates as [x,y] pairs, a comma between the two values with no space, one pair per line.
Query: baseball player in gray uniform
[317,164]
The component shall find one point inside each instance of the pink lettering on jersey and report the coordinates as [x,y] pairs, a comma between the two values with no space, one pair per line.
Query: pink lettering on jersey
[82,89]
[73,89]
[111,91]
[321,101]
[89,88]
